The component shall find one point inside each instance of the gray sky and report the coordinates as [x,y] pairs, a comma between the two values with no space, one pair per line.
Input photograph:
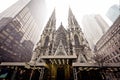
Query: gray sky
[79,8]
[4,4]
[42,10]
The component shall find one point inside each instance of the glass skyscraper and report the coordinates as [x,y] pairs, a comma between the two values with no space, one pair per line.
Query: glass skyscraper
[18,33]
[113,12]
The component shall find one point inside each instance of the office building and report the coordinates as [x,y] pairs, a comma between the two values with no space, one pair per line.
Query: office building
[94,27]
[108,48]
[19,32]
[113,12]
[109,44]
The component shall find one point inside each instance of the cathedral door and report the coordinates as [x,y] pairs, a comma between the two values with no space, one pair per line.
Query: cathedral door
[60,73]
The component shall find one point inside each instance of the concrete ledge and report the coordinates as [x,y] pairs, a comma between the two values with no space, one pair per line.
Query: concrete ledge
[20,64]
[58,57]
[111,64]
[77,64]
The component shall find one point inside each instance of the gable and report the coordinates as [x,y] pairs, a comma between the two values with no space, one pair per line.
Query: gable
[60,49]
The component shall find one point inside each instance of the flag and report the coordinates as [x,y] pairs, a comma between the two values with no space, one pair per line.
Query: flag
[3,75]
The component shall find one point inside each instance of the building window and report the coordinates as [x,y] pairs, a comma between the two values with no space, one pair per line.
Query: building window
[5,33]
[118,60]
[8,30]
[2,36]
[46,41]
[116,52]
[8,40]
[10,37]
[110,55]
[77,43]
[113,53]
[6,43]
[110,61]
[114,60]
[116,43]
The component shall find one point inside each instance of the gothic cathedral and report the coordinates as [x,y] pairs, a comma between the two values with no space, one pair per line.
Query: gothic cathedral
[60,48]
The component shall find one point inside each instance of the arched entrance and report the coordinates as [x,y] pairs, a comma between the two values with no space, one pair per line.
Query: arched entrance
[60,73]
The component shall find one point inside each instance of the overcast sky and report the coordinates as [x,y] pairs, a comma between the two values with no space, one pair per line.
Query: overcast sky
[79,8]
[4,4]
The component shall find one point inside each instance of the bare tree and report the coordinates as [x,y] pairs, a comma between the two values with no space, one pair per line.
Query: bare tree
[98,59]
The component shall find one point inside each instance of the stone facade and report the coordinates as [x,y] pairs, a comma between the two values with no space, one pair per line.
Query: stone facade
[108,47]
[18,33]
[70,42]
[60,48]
[107,50]
[61,54]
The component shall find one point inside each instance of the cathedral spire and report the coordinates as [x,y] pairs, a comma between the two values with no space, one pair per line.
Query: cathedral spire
[51,22]
[70,12]
[72,22]
[53,14]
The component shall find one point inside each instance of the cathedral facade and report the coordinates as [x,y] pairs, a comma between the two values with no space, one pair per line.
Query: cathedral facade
[63,42]
[62,54]
[60,48]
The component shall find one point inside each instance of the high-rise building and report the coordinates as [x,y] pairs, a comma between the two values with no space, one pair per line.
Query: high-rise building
[94,27]
[113,13]
[60,54]
[19,32]
[102,23]
[108,47]
[109,44]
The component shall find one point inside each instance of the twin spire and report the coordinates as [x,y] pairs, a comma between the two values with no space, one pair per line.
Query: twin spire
[71,20]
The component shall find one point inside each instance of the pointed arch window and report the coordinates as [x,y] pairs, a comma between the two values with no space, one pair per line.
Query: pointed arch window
[71,48]
[46,41]
[50,49]
[76,39]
